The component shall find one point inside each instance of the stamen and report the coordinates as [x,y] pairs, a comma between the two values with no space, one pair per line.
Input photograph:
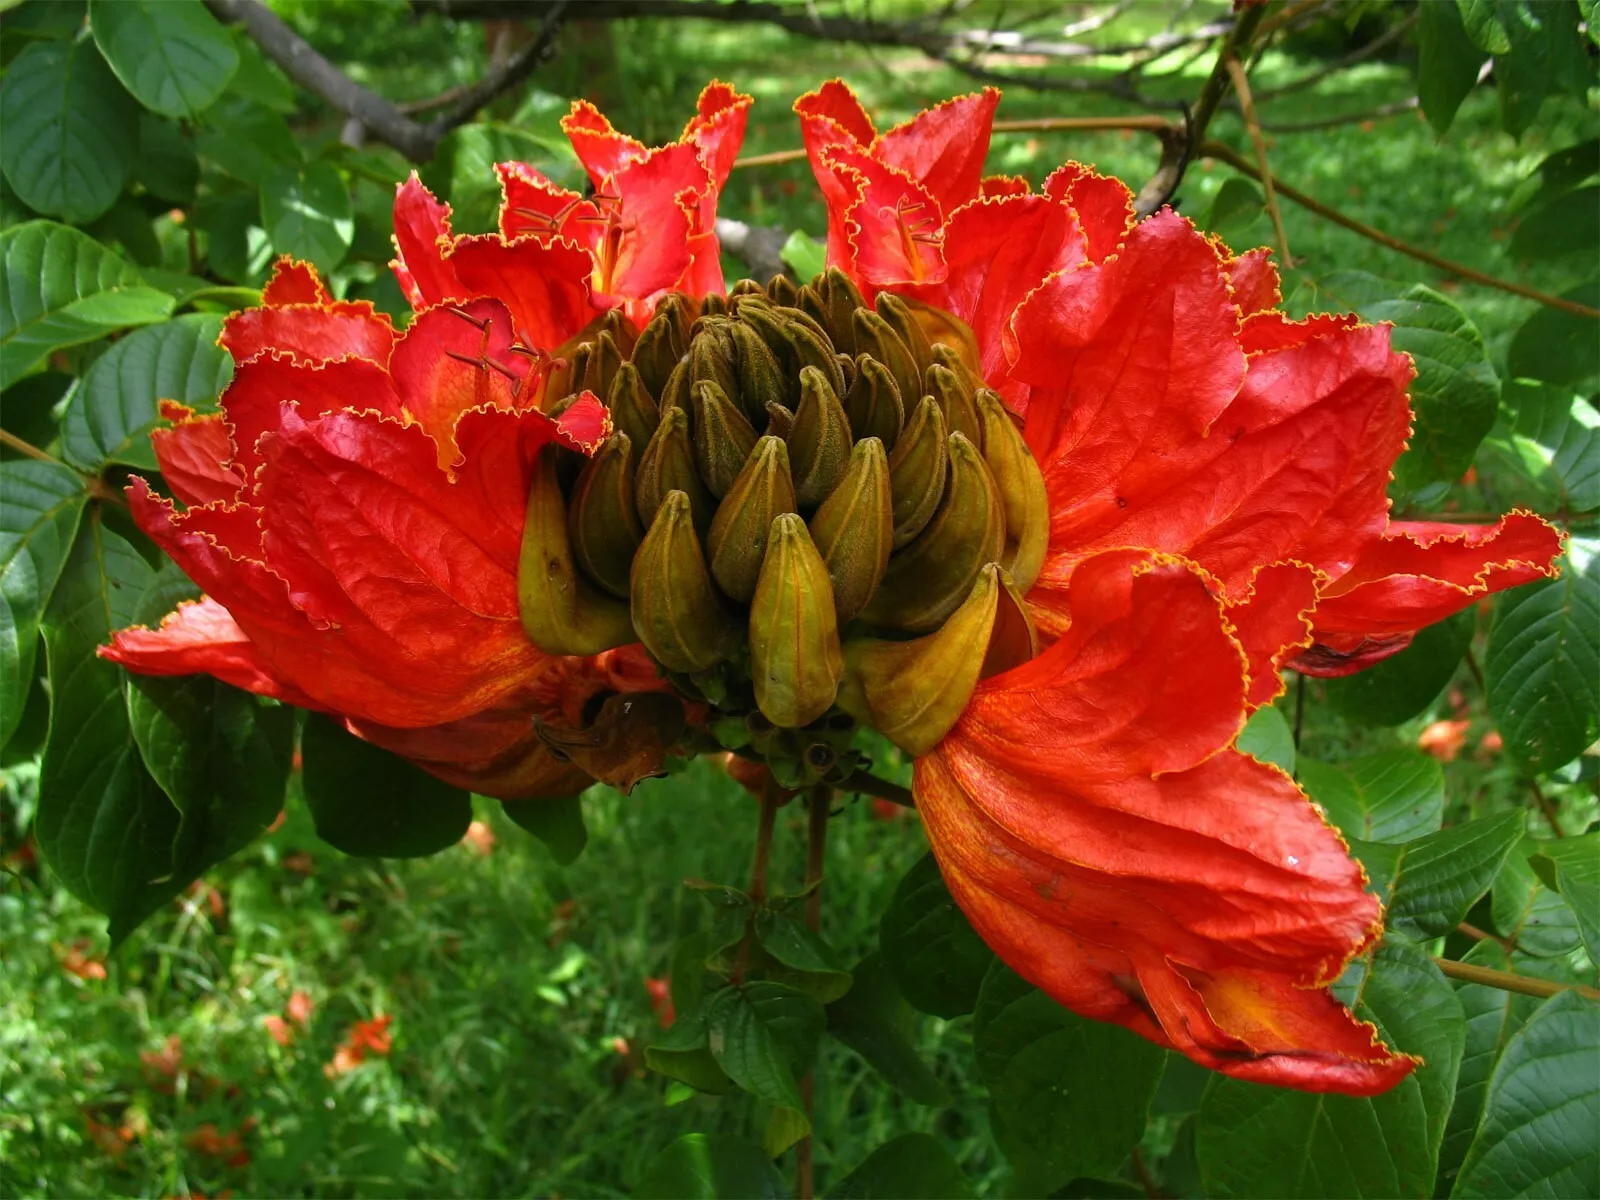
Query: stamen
[466,316]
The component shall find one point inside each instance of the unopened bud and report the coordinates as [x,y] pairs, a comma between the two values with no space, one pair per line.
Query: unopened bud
[782,290]
[562,613]
[928,580]
[711,355]
[723,438]
[713,305]
[1021,484]
[676,612]
[661,344]
[833,303]
[914,692]
[604,359]
[874,403]
[675,393]
[668,465]
[757,370]
[900,318]
[917,471]
[633,412]
[797,341]
[854,529]
[602,518]
[795,660]
[819,442]
[954,398]
[746,287]
[876,339]
[738,539]
[943,328]
[780,421]
[557,382]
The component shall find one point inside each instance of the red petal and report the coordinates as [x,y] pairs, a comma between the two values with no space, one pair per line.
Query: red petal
[659,205]
[194,455]
[293,282]
[943,147]
[201,638]
[1095,825]
[530,203]
[310,332]
[421,238]
[1254,281]
[997,252]
[1006,185]
[892,225]
[545,284]
[1272,623]
[602,150]
[717,128]
[831,115]
[1103,204]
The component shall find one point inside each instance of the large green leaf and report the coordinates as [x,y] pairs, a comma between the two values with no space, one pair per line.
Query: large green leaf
[1574,868]
[103,822]
[1568,224]
[1543,668]
[40,504]
[1390,797]
[1069,1096]
[875,1021]
[1525,911]
[1493,1015]
[167,165]
[1558,346]
[114,406]
[937,960]
[1400,687]
[1544,57]
[60,287]
[1556,440]
[306,213]
[802,958]
[173,55]
[70,130]
[1543,1108]
[555,821]
[1254,1140]
[1431,882]
[711,1166]
[367,801]
[1266,736]
[763,1035]
[1447,63]
[914,1166]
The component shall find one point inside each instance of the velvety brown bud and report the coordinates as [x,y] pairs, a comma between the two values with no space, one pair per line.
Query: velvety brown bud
[738,538]
[713,305]
[603,518]
[676,611]
[782,290]
[1021,484]
[874,403]
[876,339]
[557,383]
[633,412]
[562,613]
[900,318]
[854,529]
[668,465]
[914,692]
[955,401]
[928,580]
[604,359]
[661,344]
[723,438]
[798,343]
[917,471]
[746,287]
[676,392]
[779,420]
[623,334]
[837,301]
[711,355]
[760,377]
[819,442]
[795,660]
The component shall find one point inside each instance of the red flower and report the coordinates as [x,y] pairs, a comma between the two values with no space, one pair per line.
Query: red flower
[1089,809]
[212,1142]
[1444,739]
[660,993]
[76,960]
[365,1038]
[278,1029]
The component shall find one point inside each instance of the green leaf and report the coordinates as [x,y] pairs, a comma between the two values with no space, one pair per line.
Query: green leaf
[239,249]
[1545,57]
[813,965]
[913,1166]
[804,255]
[1069,1096]
[1237,205]
[463,169]
[367,801]
[248,142]
[1568,224]
[40,504]
[557,822]
[875,1021]
[1447,63]
[1556,441]
[173,55]
[103,823]
[1400,687]
[936,959]
[1485,25]
[306,213]
[1530,914]
[747,1048]
[683,1052]
[1439,877]
[711,1166]
[1539,1121]
[114,407]
[1557,346]
[70,130]
[1391,797]
[1492,1016]
[59,288]
[1266,736]
[1575,866]
[167,166]
[1254,1140]
[258,78]
[1543,669]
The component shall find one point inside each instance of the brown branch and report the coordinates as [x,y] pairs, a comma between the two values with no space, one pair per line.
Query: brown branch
[772,796]
[7,438]
[1370,114]
[866,784]
[1241,88]
[1546,807]
[1506,981]
[1225,153]
[820,800]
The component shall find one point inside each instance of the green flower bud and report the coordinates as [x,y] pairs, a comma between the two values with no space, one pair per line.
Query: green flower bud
[562,613]
[557,383]
[711,355]
[633,412]
[661,344]
[780,421]
[797,341]
[602,518]
[756,367]
[854,529]
[874,404]
[738,539]
[833,302]
[955,401]
[917,471]
[746,287]
[675,393]
[722,439]
[782,290]
[876,339]
[903,321]
[676,611]
[601,368]
[795,660]
[713,305]
[928,580]
[819,442]
[1021,483]
[668,465]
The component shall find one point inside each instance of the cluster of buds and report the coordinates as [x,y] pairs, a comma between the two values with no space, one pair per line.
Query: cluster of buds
[811,511]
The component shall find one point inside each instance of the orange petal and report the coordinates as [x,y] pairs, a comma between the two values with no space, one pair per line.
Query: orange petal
[600,148]
[1103,204]
[544,284]
[421,239]
[194,454]
[310,332]
[943,147]
[294,282]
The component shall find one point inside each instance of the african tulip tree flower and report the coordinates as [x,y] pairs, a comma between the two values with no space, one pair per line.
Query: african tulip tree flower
[1047,497]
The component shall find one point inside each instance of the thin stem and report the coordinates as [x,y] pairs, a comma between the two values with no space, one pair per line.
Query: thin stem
[1247,106]
[819,800]
[1483,935]
[1217,150]
[1548,808]
[8,438]
[866,784]
[771,798]
[1506,981]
